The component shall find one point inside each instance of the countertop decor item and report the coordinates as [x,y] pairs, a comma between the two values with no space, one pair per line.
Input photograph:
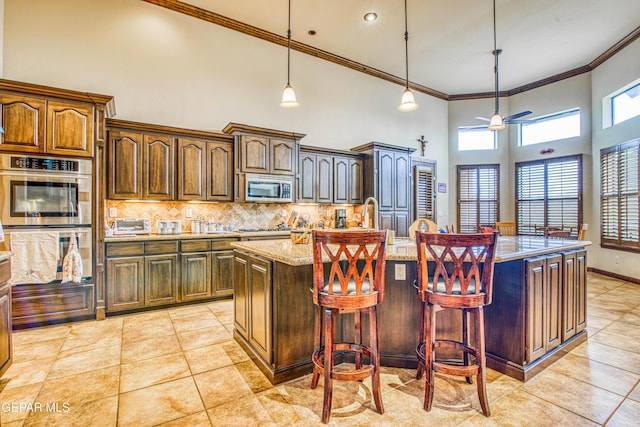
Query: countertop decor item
[301,237]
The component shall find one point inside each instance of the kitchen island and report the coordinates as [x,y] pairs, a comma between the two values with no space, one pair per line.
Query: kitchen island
[538,311]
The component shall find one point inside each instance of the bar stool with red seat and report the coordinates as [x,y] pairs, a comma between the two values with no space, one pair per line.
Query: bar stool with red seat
[348,277]
[462,279]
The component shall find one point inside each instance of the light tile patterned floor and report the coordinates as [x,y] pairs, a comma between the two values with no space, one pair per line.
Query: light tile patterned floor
[181,367]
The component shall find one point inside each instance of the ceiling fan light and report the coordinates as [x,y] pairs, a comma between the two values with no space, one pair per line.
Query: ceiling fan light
[496,122]
[289,97]
[408,101]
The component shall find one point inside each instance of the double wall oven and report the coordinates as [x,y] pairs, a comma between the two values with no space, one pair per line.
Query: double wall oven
[49,194]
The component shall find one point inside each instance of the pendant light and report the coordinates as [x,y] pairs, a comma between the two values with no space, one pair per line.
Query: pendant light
[408,101]
[289,95]
[497,121]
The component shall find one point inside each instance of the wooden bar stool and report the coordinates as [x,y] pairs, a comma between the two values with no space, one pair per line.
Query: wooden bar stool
[462,279]
[348,277]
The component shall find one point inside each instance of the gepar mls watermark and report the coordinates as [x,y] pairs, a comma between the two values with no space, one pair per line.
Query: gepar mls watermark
[16,407]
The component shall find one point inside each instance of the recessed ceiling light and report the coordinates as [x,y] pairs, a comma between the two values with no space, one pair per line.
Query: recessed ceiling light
[370,17]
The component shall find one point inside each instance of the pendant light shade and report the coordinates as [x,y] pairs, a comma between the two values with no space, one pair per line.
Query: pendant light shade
[289,95]
[408,101]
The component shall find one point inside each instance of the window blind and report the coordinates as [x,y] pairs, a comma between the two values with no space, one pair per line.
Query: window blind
[424,193]
[478,196]
[619,196]
[549,194]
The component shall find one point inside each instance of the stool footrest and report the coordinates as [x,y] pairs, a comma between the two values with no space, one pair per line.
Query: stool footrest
[461,370]
[348,374]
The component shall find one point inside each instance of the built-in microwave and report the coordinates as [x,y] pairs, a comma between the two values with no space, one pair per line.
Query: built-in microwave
[268,188]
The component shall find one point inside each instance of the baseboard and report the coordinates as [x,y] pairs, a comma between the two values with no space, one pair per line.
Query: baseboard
[614,275]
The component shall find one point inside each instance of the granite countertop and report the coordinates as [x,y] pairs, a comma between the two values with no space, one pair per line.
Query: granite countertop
[190,236]
[5,255]
[509,248]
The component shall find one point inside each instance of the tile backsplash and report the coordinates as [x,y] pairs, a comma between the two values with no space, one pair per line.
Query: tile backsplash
[239,215]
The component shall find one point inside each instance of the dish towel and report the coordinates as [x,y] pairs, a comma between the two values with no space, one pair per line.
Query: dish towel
[72,263]
[35,257]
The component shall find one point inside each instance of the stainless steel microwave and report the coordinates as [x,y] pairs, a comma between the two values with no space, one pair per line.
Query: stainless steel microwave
[268,188]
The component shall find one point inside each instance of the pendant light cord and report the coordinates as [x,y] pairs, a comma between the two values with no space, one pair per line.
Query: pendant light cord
[495,53]
[406,45]
[289,45]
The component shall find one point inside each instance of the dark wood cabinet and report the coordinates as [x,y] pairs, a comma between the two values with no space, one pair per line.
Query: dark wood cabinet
[195,276]
[222,273]
[125,165]
[161,279]
[39,119]
[574,287]
[125,283]
[282,156]
[387,178]
[252,302]
[153,162]
[326,177]
[6,344]
[159,158]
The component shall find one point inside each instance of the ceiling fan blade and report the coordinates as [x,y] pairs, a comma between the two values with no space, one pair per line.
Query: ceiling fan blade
[517,116]
[483,118]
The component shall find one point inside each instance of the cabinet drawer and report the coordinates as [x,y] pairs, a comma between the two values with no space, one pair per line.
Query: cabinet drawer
[196,245]
[222,244]
[125,249]
[160,247]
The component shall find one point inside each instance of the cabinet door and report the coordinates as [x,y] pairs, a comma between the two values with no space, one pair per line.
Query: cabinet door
[125,283]
[386,221]
[125,165]
[241,294]
[282,156]
[260,306]
[191,169]
[161,279]
[340,180]
[569,297]
[69,128]
[195,276]
[307,187]
[386,180]
[254,154]
[401,224]
[535,277]
[220,171]
[553,290]
[402,183]
[581,291]
[324,189]
[5,328]
[23,120]
[159,159]
[222,268]
[355,181]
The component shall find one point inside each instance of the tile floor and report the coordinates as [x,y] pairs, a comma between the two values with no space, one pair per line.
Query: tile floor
[181,367]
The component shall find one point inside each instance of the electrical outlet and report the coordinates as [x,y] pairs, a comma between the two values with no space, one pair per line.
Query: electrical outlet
[188,213]
[617,259]
[401,272]
[113,212]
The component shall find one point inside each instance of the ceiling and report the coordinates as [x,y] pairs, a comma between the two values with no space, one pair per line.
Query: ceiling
[450,42]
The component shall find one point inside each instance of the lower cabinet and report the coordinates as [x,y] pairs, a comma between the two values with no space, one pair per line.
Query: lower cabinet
[574,291]
[252,302]
[157,273]
[398,221]
[6,348]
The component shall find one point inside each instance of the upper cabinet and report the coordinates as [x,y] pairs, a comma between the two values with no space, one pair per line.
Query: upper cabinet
[40,119]
[153,162]
[329,176]
[262,151]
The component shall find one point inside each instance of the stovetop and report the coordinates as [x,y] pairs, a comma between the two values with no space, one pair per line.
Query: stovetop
[253,230]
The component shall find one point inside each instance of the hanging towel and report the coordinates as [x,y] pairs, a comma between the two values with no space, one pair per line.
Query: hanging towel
[72,263]
[35,257]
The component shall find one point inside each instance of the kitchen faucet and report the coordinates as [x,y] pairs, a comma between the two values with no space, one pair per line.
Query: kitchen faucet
[365,212]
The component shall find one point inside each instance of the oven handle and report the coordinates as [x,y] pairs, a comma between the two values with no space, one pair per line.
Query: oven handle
[43,175]
[50,229]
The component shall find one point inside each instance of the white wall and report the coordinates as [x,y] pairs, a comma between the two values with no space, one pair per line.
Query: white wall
[617,72]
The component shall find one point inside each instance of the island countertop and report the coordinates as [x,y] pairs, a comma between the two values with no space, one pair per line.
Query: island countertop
[5,255]
[509,248]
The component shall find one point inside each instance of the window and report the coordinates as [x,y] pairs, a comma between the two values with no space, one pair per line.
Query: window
[478,197]
[550,128]
[476,138]
[625,105]
[549,194]
[619,195]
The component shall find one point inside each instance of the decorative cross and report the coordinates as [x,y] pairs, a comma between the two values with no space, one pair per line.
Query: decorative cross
[423,144]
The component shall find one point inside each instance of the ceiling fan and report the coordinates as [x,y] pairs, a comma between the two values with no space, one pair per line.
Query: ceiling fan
[497,121]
